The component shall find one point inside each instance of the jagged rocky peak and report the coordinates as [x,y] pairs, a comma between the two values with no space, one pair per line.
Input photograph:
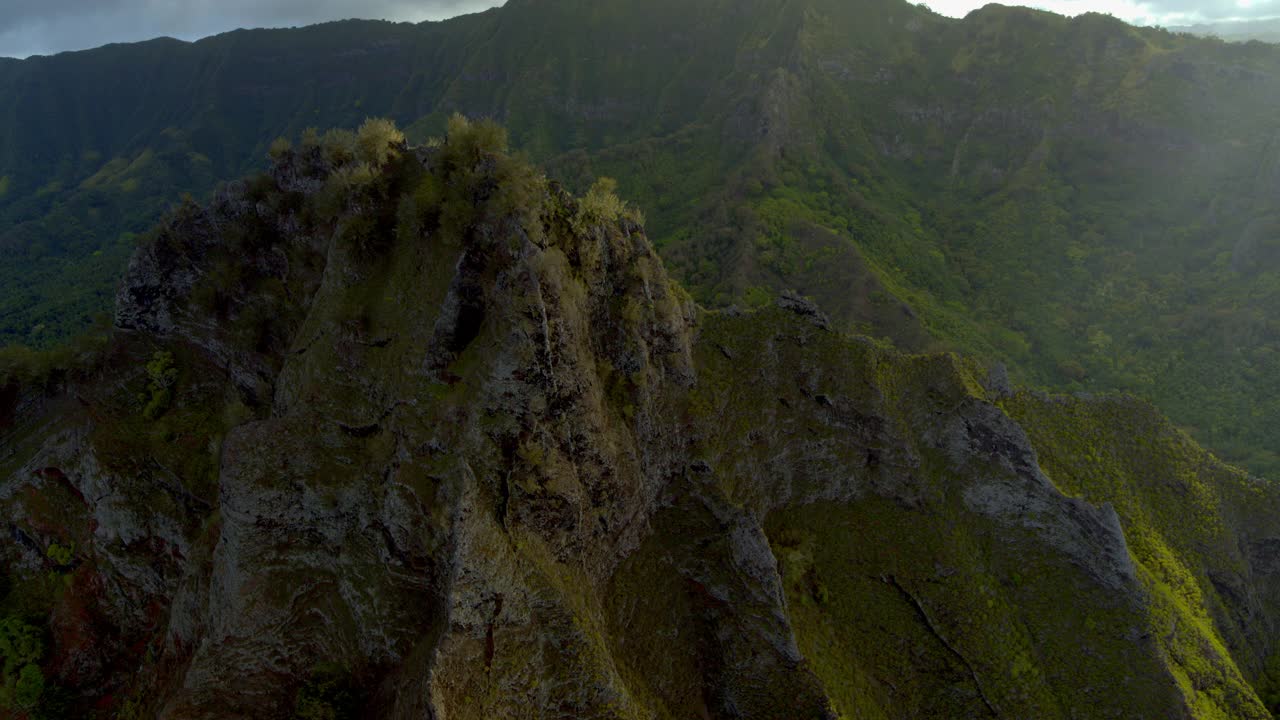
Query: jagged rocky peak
[402,432]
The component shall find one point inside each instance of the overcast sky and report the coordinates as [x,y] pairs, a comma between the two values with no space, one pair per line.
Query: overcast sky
[43,27]
[31,27]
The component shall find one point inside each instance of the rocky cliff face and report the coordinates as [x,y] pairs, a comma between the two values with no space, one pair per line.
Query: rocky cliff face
[428,437]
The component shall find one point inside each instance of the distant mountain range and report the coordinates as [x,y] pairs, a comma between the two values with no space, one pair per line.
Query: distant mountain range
[1092,203]
[1238,30]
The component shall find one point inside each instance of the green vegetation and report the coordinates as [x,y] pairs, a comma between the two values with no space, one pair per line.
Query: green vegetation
[1171,497]
[1268,685]
[21,649]
[279,148]
[602,205]
[37,368]
[60,555]
[161,375]
[378,141]
[964,615]
[476,179]
[329,694]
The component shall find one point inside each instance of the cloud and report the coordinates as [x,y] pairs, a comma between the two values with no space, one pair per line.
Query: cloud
[41,27]
[29,27]
[1142,12]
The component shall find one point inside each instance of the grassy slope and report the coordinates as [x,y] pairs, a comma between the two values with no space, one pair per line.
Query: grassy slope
[1188,520]
[958,616]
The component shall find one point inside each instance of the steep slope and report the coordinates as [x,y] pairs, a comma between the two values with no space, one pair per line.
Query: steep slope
[392,432]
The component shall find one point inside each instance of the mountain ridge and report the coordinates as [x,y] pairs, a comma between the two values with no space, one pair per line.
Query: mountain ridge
[390,431]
